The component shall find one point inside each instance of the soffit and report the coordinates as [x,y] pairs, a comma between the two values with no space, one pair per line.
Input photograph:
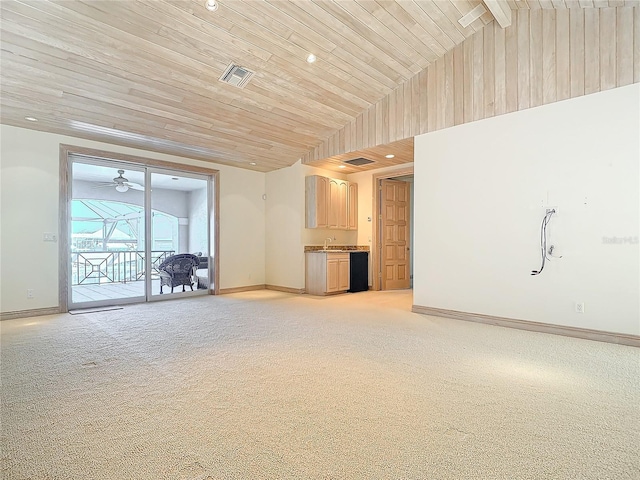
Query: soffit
[401,150]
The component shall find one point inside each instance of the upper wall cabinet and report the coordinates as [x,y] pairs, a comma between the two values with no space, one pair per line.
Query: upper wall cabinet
[338,207]
[352,206]
[331,203]
[317,202]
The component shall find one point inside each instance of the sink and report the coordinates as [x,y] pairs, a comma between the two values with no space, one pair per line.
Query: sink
[333,251]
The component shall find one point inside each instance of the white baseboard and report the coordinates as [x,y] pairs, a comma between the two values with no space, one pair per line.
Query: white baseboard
[585,333]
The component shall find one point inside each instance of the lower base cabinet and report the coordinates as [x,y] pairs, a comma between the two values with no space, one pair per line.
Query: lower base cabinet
[326,273]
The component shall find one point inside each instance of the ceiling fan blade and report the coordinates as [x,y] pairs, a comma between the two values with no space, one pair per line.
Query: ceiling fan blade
[103,185]
[135,186]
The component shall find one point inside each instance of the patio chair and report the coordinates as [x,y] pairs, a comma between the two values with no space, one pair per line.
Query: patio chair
[202,273]
[178,270]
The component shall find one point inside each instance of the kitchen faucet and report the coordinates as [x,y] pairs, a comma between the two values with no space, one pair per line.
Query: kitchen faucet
[325,242]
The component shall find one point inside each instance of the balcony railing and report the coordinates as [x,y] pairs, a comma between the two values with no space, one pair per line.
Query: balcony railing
[113,267]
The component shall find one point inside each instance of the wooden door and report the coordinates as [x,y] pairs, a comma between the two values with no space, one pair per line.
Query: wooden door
[395,226]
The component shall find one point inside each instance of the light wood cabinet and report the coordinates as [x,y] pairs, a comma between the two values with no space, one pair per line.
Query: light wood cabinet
[317,202]
[331,203]
[327,273]
[337,207]
[352,207]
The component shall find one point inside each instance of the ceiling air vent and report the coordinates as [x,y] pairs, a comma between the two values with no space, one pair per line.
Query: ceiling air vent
[236,75]
[358,161]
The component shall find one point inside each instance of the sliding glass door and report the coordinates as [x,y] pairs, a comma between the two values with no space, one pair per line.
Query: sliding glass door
[179,233]
[107,234]
[136,233]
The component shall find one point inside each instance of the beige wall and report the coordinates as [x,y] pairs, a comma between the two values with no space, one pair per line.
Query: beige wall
[483,189]
[284,221]
[29,165]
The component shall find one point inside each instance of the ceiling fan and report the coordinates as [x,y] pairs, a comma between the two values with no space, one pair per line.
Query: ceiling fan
[121,183]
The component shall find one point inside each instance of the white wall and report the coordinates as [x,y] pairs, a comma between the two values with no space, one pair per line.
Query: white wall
[198,221]
[284,226]
[242,228]
[481,193]
[29,186]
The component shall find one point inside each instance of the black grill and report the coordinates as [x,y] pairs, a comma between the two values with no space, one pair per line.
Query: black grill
[358,161]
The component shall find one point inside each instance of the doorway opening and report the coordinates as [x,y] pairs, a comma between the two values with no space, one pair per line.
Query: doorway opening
[392,239]
[135,229]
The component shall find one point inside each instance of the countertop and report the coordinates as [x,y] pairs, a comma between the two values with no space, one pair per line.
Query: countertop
[336,248]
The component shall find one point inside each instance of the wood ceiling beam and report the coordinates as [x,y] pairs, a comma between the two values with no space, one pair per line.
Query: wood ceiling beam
[500,10]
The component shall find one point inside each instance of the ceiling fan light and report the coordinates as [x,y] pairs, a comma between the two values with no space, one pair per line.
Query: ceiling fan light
[122,188]
[211,5]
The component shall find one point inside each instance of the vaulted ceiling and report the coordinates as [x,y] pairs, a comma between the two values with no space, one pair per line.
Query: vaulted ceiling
[145,73]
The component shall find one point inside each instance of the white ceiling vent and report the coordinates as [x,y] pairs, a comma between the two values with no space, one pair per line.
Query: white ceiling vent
[236,75]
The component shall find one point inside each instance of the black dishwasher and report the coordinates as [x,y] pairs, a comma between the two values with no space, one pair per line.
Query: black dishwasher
[359,271]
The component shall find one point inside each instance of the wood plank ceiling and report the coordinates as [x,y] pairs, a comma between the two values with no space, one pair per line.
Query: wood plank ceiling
[543,56]
[145,73]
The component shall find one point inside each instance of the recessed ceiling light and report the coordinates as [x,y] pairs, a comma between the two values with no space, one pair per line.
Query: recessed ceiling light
[253,164]
[31,119]
[391,155]
[311,58]
[211,5]
[342,166]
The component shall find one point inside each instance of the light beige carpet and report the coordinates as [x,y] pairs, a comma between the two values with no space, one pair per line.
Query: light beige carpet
[265,385]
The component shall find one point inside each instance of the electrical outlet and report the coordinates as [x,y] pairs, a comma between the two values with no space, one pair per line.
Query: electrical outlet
[30,293]
[579,307]
[50,237]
